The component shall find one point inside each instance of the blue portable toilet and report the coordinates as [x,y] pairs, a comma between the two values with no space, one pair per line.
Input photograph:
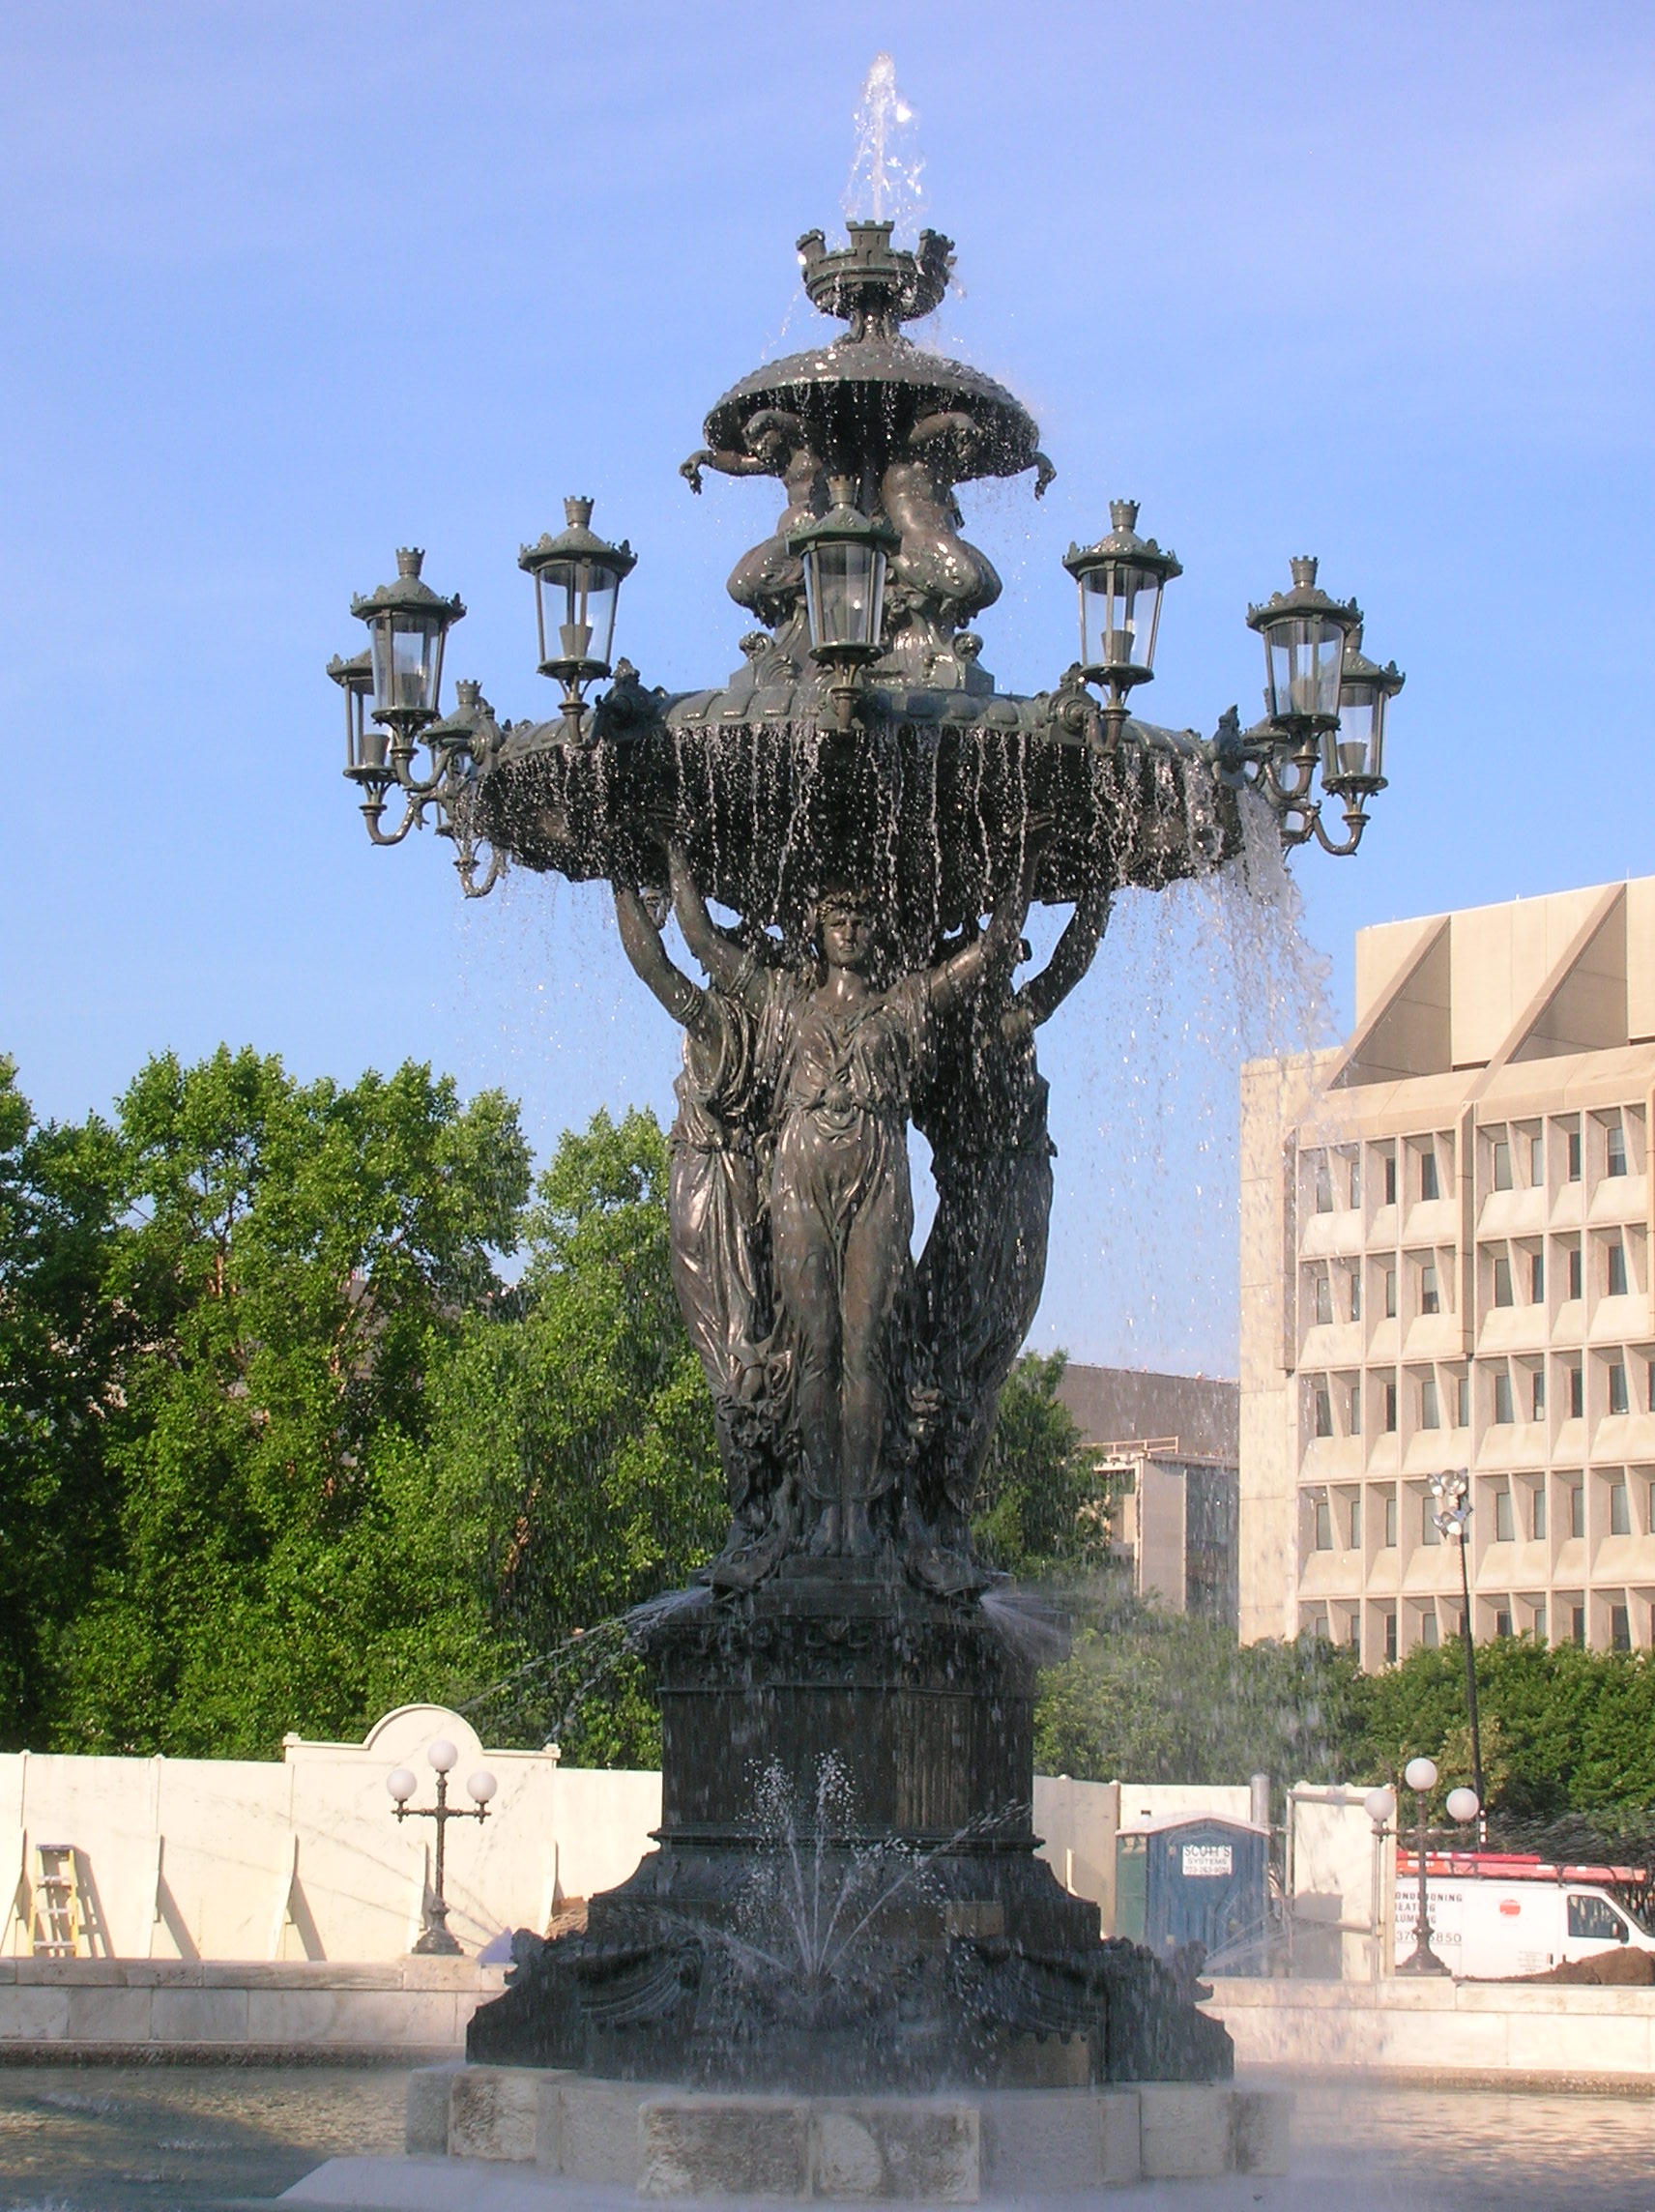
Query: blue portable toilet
[1192,1878]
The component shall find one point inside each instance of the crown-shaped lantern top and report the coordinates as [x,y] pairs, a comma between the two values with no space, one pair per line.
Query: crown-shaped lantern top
[870,283]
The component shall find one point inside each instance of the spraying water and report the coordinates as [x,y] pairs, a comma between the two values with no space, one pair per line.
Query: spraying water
[887,166]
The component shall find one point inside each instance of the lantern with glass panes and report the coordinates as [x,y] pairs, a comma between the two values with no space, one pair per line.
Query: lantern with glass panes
[1353,750]
[401,672]
[365,743]
[844,554]
[1310,641]
[577,582]
[1120,581]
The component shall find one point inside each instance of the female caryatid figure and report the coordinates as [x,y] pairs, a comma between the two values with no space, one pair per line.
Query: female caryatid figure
[841,1204]
[715,1205]
[984,1264]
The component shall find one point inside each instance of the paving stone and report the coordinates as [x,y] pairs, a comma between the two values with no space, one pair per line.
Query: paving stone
[726,2146]
[426,2130]
[1260,2129]
[1184,2131]
[906,2147]
[493,2112]
[597,2129]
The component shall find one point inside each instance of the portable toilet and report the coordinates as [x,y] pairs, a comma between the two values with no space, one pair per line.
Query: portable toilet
[1190,1878]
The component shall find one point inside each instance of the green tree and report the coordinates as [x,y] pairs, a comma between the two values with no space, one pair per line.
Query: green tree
[59,1201]
[296,1261]
[1035,1505]
[1565,1730]
[573,1441]
[1158,1697]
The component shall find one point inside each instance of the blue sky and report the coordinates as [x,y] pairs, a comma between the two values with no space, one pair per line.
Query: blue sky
[286,287]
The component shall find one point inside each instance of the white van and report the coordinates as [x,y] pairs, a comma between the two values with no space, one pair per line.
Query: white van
[1488,1925]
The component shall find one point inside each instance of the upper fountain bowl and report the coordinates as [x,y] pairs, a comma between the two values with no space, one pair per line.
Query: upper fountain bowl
[859,397]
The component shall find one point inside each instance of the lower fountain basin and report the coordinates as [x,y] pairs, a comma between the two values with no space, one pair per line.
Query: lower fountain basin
[950,2149]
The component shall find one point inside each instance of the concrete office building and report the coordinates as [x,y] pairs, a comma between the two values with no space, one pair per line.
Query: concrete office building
[1445,1236]
[1166,1453]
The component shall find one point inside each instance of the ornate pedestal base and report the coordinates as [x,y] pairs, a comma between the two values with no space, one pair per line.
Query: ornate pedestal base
[846,1895]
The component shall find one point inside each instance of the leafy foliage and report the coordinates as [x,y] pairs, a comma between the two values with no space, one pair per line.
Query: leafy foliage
[279,1449]
[1566,1732]
[1158,1697]
[1034,1504]
[291,1261]
[59,1336]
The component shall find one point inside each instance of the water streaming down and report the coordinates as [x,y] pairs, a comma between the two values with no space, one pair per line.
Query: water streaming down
[853,881]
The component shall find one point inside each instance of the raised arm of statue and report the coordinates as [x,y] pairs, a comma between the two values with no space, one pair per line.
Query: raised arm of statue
[729,966]
[996,949]
[641,937]
[1071,956]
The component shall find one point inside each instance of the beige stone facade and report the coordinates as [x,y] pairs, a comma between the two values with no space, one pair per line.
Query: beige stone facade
[1165,1449]
[1445,1256]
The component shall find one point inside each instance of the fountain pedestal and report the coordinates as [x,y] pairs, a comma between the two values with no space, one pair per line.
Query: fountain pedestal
[846,1894]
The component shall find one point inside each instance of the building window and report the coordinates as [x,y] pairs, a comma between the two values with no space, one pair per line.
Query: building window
[1575,1271]
[1616,1134]
[1617,1269]
[1503,1413]
[1391,1294]
[1577,1626]
[1537,1278]
[1616,1387]
[1502,1280]
[1619,1510]
[1504,1532]
[1538,1522]
[1537,1395]
[1324,1185]
[1323,1526]
[1428,1636]
[1574,1155]
[1356,1523]
[1429,1533]
[1619,1631]
[1390,1643]
[1577,1508]
[1576,1393]
[1428,1298]
[1323,1298]
[1390,1521]
[1356,1408]
[1356,1294]
[1536,1161]
[1324,1404]
[1428,1414]
[1428,1175]
[1502,1627]
[1502,1164]
[1539,1622]
[1390,1408]
[1650,1399]
[1390,1179]
[1356,1182]
[1651,1521]
[1462,1402]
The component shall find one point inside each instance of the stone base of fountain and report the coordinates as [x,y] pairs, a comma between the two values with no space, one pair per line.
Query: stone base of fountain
[945,2149]
[846,1897]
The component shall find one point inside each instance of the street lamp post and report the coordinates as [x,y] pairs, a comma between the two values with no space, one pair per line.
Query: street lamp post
[1420,1775]
[1452,1515]
[435,1938]
[1381,1806]
[1462,1806]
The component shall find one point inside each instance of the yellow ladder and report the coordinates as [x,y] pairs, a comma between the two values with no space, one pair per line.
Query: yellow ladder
[59,1914]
